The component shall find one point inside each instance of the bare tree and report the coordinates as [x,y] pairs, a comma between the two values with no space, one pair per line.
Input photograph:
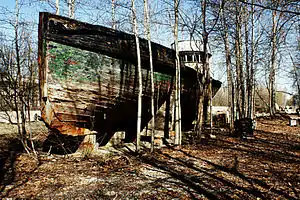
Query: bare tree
[205,63]
[147,30]
[279,18]
[295,73]
[57,7]
[18,85]
[207,26]
[17,78]
[113,14]
[251,85]
[273,65]
[240,95]
[71,6]
[139,67]
[230,82]
[177,78]
[247,91]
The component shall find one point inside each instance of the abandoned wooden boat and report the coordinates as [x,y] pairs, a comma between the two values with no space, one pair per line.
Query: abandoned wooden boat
[88,78]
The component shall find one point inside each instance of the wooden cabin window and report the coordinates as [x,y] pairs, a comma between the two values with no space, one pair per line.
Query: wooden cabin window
[182,58]
[189,58]
[196,58]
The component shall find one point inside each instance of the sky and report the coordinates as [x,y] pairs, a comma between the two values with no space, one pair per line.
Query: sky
[160,34]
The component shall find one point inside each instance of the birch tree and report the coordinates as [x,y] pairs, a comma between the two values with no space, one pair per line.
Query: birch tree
[273,65]
[57,7]
[177,78]
[147,31]
[113,14]
[248,20]
[205,63]
[251,85]
[247,91]
[230,82]
[71,10]
[240,95]
[295,73]
[139,68]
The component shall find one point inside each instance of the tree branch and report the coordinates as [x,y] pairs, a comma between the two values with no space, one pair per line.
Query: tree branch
[270,8]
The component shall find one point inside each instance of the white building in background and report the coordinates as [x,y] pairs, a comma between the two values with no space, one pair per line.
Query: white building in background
[11,116]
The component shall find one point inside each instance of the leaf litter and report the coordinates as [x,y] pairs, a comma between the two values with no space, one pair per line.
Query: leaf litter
[265,167]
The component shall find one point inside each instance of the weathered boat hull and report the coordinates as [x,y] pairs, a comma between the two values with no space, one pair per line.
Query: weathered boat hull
[88,78]
[90,90]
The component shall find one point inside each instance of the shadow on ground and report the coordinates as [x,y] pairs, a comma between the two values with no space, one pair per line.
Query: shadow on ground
[10,148]
[266,167]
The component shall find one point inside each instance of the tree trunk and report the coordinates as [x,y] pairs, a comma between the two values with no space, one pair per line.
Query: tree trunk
[240,93]
[273,67]
[16,82]
[297,78]
[231,91]
[113,14]
[18,90]
[71,5]
[147,28]
[247,73]
[177,85]
[139,113]
[57,7]
[206,67]
[210,106]
[30,94]
[251,85]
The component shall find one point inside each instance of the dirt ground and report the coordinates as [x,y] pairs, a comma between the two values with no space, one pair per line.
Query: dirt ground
[265,167]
